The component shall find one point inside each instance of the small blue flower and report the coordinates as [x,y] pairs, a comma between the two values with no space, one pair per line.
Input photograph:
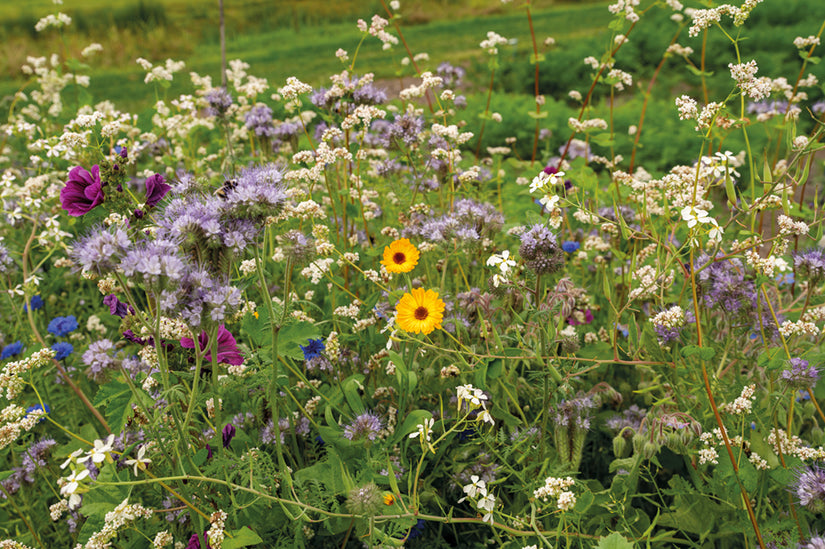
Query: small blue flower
[62,349]
[11,350]
[313,349]
[784,279]
[61,326]
[570,246]
[45,408]
[37,303]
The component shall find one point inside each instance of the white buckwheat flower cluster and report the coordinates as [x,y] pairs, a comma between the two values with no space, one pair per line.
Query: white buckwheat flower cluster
[672,318]
[10,377]
[781,444]
[800,327]
[789,227]
[557,488]
[743,404]
[492,42]
[745,76]
[650,282]
[801,42]
[121,516]
[14,421]
[215,533]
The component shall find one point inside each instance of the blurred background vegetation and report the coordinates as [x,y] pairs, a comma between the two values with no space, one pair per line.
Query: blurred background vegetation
[300,37]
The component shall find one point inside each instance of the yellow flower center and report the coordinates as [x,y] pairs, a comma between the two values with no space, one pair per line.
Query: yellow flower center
[421,313]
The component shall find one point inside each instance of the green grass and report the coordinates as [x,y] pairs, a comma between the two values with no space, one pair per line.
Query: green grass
[308,52]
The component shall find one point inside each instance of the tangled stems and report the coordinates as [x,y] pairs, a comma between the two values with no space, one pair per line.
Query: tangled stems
[62,371]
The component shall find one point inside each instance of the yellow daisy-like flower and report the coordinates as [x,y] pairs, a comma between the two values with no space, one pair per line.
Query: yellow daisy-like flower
[419,311]
[400,256]
[389,499]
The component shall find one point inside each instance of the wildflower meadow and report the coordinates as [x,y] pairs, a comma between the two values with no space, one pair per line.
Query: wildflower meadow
[559,291]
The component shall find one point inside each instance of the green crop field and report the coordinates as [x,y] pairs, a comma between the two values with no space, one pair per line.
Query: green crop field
[277,43]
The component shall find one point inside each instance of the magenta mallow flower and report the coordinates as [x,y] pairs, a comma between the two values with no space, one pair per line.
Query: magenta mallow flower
[228,352]
[83,191]
[156,189]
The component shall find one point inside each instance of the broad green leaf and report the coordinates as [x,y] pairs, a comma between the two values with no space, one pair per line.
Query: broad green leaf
[293,335]
[614,541]
[241,538]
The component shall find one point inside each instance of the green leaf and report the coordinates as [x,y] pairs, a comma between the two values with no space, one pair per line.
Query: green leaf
[604,139]
[614,541]
[116,396]
[414,418]
[350,387]
[241,538]
[698,72]
[537,115]
[293,335]
[704,353]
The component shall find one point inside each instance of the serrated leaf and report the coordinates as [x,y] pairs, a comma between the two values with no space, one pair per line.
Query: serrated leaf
[614,541]
[241,538]
[704,353]
[116,397]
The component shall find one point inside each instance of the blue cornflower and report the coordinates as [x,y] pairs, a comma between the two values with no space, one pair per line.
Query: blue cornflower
[61,326]
[12,349]
[570,246]
[62,349]
[45,408]
[313,349]
[37,303]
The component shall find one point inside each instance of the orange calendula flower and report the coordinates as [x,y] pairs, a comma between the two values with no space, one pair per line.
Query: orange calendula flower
[419,311]
[389,499]
[400,256]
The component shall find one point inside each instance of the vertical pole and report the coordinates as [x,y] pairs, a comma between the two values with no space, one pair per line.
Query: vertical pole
[223,46]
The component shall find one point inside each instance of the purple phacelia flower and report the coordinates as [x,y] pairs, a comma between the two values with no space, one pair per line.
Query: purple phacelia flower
[810,488]
[800,375]
[219,101]
[540,250]
[811,264]
[364,426]
[259,120]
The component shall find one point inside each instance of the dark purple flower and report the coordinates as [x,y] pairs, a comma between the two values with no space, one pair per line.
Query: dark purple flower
[156,189]
[228,434]
[208,452]
[364,426]
[116,307]
[227,347]
[83,191]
